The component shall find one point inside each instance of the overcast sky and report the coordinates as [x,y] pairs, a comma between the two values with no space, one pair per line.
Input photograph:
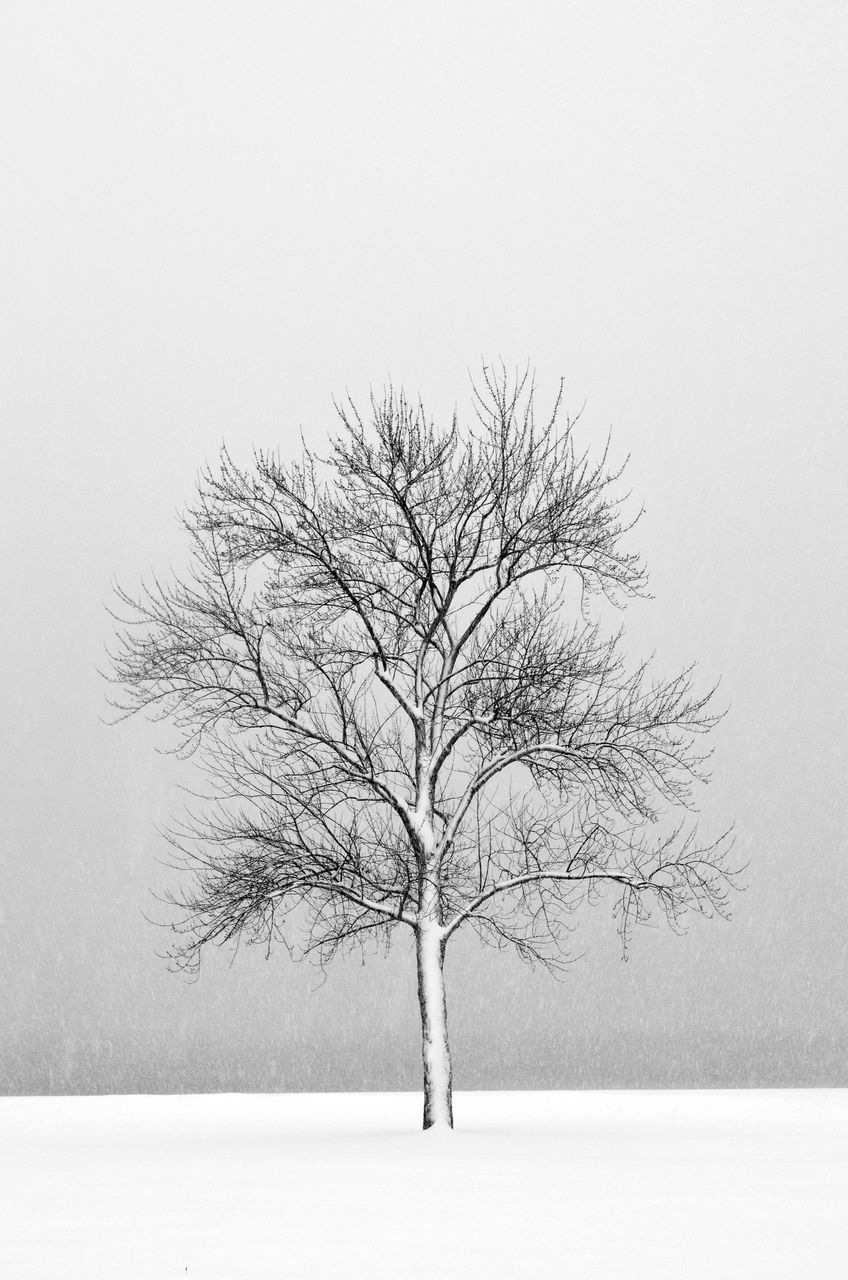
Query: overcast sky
[216,217]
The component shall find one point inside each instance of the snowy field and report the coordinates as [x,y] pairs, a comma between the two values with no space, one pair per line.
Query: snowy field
[595,1185]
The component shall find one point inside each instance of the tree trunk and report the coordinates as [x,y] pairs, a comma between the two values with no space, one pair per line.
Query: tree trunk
[430,954]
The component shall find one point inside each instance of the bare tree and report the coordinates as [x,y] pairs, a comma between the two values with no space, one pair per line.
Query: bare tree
[389,665]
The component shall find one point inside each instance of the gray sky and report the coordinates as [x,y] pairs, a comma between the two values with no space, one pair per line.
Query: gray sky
[218,216]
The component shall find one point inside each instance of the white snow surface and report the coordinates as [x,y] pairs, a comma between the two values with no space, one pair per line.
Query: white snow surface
[718,1184]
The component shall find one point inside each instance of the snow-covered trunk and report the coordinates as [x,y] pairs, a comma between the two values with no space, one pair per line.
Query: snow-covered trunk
[430,954]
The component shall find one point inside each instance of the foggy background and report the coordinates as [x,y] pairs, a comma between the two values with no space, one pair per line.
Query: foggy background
[218,216]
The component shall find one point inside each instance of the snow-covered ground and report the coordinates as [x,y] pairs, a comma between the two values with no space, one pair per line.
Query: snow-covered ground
[596,1185]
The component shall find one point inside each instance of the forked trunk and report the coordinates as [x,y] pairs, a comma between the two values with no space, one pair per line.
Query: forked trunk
[430,954]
